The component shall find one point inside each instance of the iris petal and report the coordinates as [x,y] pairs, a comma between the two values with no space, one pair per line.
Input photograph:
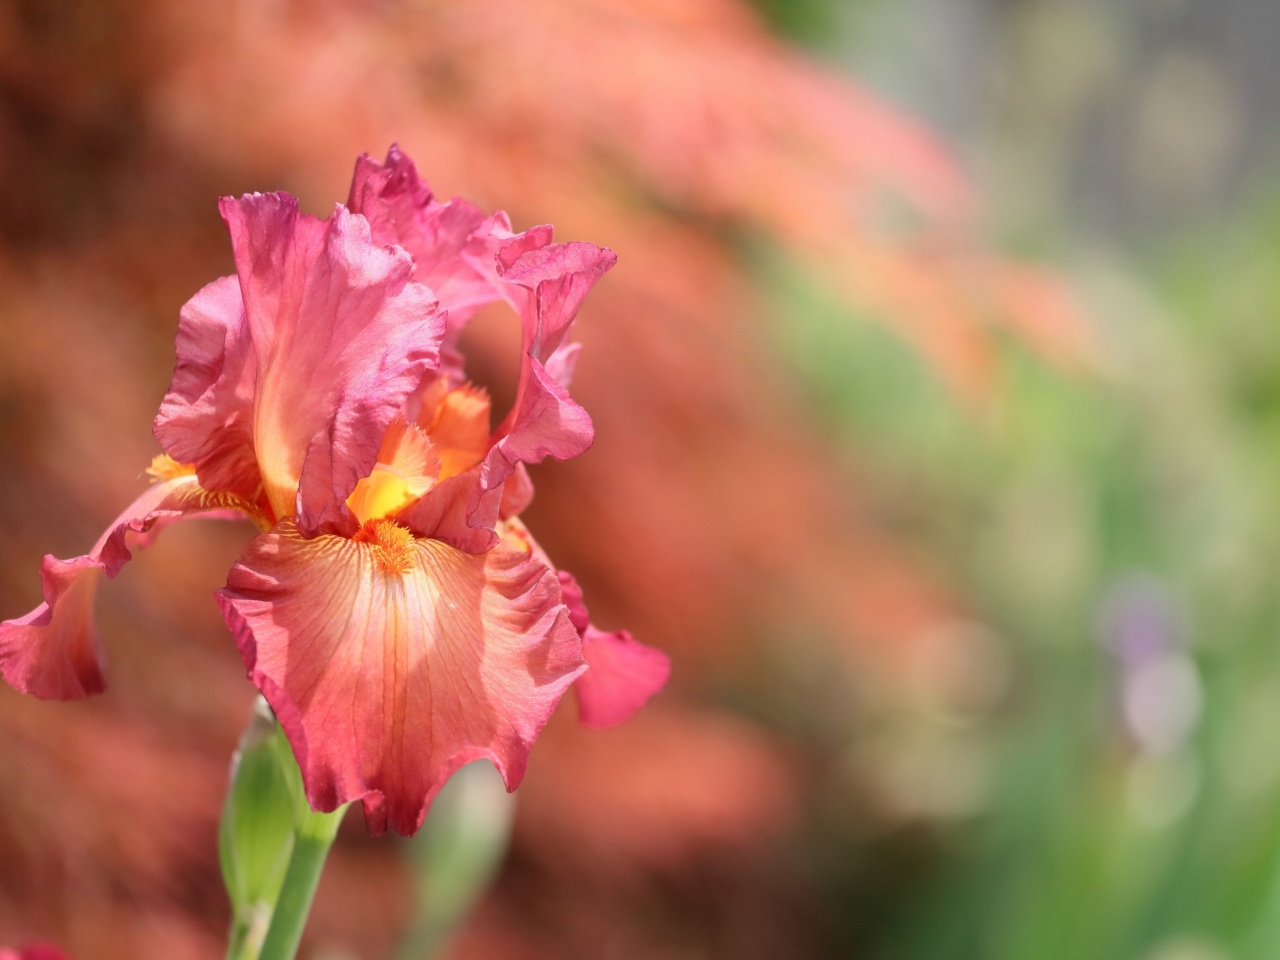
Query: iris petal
[53,652]
[392,660]
[454,244]
[290,373]
[623,674]
[342,337]
[206,418]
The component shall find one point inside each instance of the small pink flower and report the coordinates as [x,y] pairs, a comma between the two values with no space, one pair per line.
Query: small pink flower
[396,614]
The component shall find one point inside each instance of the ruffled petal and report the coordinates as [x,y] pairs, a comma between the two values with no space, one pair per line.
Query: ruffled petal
[53,652]
[469,260]
[548,282]
[517,493]
[571,592]
[556,277]
[341,336]
[454,244]
[391,661]
[546,421]
[206,418]
[562,363]
[622,676]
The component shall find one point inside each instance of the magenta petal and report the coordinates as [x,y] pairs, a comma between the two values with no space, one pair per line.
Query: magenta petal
[559,276]
[392,662]
[454,244]
[572,596]
[469,260]
[548,283]
[457,512]
[622,676]
[53,652]
[517,493]
[562,363]
[206,418]
[341,336]
[547,422]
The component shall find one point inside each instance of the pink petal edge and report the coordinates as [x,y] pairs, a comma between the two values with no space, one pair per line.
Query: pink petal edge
[623,674]
[206,417]
[53,652]
[548,282]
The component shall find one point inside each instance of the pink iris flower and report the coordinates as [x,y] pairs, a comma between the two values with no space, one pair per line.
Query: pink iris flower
[393,610]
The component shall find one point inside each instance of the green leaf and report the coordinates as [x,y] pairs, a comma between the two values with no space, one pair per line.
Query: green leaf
[456,855]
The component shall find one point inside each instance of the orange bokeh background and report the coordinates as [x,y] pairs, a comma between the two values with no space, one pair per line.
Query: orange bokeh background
[712,518]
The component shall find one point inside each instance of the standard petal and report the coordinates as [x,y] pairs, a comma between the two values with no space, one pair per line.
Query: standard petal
[391,661]
[517,493]
[557,278]
[340,334]
[454,244]
[546,421]
[562,363]
[206,418]
[547,284]
[623,674]
[53,652]
[469,260]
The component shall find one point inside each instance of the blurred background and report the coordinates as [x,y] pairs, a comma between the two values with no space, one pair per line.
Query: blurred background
[938,443]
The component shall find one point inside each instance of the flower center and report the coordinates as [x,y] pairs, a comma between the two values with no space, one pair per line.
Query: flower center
[390,544]
[451,435]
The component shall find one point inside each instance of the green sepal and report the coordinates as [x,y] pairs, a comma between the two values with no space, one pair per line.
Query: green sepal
[259,825]
[272,845]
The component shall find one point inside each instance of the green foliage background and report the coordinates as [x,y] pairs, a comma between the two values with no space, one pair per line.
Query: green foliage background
[1160,471]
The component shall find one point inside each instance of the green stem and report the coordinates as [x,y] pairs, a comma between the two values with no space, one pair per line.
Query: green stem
[271,843]
[300,880]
